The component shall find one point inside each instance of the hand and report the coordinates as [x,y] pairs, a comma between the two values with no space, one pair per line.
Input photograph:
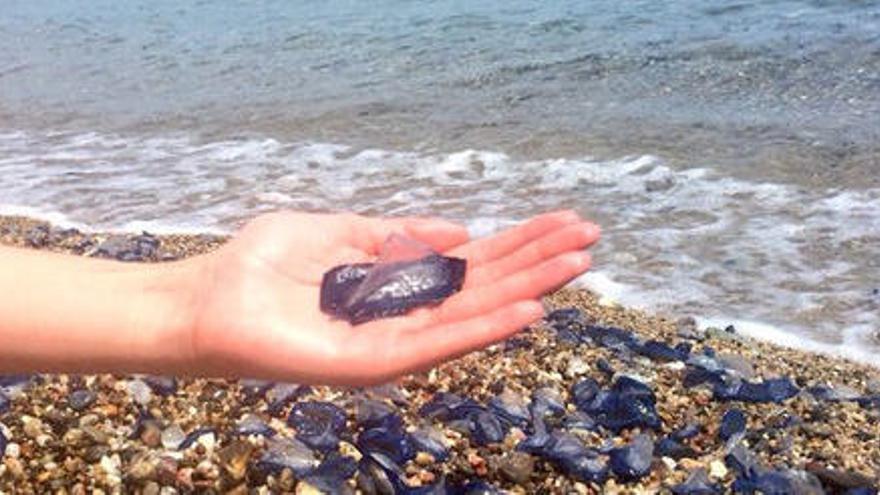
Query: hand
[257,311]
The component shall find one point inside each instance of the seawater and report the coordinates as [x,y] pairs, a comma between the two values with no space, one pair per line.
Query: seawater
[730,151]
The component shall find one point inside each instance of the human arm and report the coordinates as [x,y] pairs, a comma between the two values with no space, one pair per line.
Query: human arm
[63,313]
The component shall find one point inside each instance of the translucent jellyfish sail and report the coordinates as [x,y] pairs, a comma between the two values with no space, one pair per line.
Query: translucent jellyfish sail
[407,275]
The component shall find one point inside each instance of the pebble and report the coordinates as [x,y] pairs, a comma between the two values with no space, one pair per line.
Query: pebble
[140,391]
[14,468]
[142,467]
[717,470]
[517,467]
[172,436]
[13,450]
[151,435]
[151,488]
[110,466]
[577,367]
[31,426]
[234,458]
[424,459]
[81,399]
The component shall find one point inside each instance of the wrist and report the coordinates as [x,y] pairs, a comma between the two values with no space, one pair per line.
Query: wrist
[164,321]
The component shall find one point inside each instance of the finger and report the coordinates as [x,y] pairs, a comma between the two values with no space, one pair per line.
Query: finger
[416,351]
[508,241]
[570,238]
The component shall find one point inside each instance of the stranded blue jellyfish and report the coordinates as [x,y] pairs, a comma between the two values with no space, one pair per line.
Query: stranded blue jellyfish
[406,276]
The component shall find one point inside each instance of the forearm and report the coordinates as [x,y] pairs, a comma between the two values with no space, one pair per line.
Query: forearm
[63,313]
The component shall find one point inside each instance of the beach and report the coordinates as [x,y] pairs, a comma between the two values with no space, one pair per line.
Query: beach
[725,340]
[707,418]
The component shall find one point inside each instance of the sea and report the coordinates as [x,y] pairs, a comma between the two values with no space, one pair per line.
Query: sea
[729,149]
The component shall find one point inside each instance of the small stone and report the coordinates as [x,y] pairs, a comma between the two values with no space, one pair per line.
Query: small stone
[110,465]
[12,450]
[151,488]
[304,488]
[690,464]
[142,467]
[94,453]
[140,391]
[348,450]
[166,471]
[151,435]
[517,467]
[577,367]
[234,458]
[717,469]
[183,478]
[79,400]
[95,435]
[107,410]
[241,489]
[32,427]
[477,463]
[14,468]
[43,439]
[162,385]
[172,437]
[424,459]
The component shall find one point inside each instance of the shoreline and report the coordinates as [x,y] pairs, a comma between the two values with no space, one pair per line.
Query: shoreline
[822,435]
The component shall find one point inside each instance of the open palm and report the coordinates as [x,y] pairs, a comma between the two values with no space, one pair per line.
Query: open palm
[258,310]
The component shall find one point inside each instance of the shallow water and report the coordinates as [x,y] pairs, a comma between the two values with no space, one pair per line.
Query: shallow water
[730,151]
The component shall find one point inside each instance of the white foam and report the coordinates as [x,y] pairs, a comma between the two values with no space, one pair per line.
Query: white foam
[611,291]
[55,218]
[852,348]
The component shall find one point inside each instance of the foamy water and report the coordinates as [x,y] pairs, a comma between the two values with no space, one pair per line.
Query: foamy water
[796,266]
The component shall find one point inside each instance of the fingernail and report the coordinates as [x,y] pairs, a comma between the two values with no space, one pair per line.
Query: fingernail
[593,230]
